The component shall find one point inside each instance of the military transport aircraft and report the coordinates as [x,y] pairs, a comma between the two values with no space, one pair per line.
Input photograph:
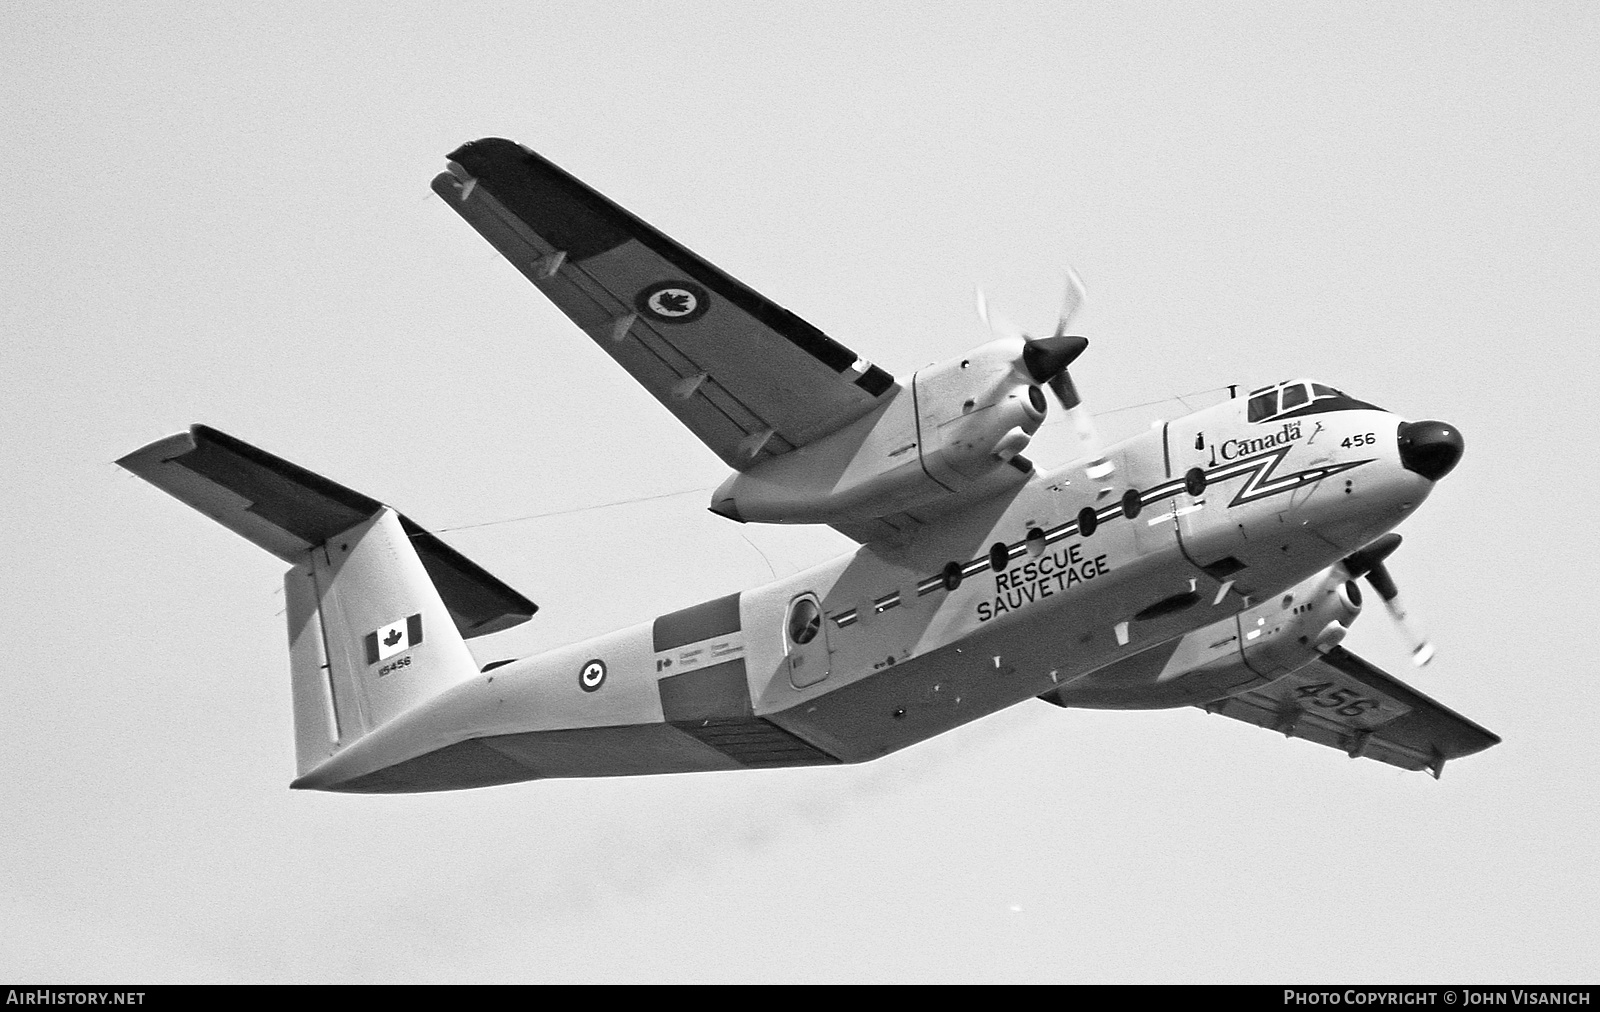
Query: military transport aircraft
[1210,562]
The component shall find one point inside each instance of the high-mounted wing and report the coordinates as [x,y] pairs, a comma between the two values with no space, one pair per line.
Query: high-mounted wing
[1341,701]
[747,376]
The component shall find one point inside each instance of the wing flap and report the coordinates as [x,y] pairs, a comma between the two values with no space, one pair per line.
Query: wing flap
[289,510]
[1343,702]
[748,377]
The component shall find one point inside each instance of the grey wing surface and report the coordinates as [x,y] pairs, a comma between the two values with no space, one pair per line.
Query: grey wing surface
[747,376]
[289,510]
[1341,701]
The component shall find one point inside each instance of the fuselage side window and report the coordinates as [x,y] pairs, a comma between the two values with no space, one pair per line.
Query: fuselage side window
[1263,406]
[805,620]
[1294,395]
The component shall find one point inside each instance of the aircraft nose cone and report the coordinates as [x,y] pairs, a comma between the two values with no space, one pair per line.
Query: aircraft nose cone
[1431,449]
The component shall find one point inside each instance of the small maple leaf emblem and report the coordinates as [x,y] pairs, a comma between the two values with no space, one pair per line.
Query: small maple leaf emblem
[391,639]
[674,302]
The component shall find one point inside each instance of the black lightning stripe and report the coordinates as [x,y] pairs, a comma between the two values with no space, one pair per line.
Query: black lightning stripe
[1261,482]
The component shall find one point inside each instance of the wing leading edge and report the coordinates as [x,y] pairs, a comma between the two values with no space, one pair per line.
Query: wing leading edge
[747,376]
[1341,701]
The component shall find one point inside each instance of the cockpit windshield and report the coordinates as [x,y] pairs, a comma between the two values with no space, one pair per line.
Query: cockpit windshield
[1299,397]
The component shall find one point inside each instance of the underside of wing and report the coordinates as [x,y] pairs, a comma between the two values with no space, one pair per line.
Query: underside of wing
[747,376]
[289,510]
[1341,701]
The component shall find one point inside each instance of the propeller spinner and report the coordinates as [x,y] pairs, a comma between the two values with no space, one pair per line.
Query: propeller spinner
[1046,358]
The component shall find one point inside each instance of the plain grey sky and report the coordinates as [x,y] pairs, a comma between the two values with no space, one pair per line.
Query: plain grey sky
[220,213]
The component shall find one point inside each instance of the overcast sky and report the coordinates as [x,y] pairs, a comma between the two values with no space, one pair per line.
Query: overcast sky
[221,214]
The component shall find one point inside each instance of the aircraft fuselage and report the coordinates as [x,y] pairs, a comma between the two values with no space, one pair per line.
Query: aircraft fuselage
[1205,569]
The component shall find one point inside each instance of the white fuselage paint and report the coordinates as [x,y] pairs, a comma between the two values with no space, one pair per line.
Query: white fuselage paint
[1205,570]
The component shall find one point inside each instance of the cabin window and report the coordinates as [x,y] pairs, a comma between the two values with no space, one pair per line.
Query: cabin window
[1088,520]
[1294,396]
[1035,542]
[999,557]
[1263,406]
[1132,502]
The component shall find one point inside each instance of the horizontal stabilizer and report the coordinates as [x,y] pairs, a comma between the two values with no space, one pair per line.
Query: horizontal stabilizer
[1341,701]
[288,511]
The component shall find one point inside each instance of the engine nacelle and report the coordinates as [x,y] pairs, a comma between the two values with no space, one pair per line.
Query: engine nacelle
[976,411]
[954,425]
[1288,632]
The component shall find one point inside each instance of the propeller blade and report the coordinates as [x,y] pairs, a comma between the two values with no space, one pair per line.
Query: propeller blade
[1088,435]
[1359,564]
[1422,649]
[1071,301]
[1072,298]
[998,325]
[1099,467]
[1061,385]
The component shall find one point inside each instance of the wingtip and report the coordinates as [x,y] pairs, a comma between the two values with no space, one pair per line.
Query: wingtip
[487,147]
[158,451]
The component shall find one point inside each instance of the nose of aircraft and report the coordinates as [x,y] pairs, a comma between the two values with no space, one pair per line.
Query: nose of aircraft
[1431,449]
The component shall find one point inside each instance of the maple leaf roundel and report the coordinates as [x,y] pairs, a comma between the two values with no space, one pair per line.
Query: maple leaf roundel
[673,301]
[592,675]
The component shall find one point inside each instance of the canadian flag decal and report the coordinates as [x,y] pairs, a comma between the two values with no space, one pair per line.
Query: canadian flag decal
[394,638]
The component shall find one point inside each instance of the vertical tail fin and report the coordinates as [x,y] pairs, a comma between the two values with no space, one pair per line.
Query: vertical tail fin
[379,609]
[369,637]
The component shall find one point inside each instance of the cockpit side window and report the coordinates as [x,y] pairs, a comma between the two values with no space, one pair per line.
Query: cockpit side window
[1263,406]
[1294,395]
[1319,390]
